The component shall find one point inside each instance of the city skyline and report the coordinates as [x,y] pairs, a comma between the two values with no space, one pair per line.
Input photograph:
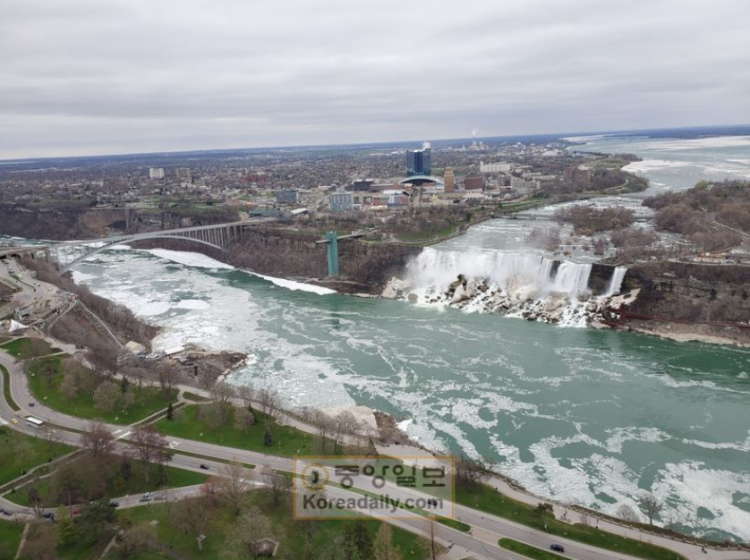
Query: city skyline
[131,77]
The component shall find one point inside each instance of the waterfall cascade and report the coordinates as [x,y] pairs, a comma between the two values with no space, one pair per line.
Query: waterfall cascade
[508,271]
[527,285]
[615,284]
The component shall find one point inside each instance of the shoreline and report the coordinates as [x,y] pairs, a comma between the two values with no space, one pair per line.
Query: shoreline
[512,483]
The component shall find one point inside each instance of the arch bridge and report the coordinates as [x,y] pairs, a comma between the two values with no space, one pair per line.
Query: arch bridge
[69,253]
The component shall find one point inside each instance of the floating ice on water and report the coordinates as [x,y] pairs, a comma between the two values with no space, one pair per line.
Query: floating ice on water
[189,259]
[292,285]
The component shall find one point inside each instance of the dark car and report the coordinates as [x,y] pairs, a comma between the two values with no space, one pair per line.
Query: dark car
[31,404]
[114,504]
[6,511]
[557,547]
[49,515]
[204,467]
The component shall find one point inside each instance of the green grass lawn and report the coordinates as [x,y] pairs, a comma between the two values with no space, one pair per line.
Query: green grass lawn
[487,499]
[6,389]
[19,453]
[20,347]
[10,538]
[527,550]
[148,400]
[454,524]
[286,441]
[427,235]
[176,478]
[286,531]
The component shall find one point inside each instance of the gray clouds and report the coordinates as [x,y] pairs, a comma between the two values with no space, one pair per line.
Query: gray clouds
[110,76]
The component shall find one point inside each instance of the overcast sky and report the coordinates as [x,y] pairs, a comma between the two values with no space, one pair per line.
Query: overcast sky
[84,77]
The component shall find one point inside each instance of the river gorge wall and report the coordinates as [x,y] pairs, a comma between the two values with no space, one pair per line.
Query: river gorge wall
[684,301]
[365,267]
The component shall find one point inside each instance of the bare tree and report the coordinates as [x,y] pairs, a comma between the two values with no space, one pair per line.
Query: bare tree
[150,447]
[344,424]
[278,484]
[243,419]
[99,442]
[651,506]
[128,400]
[325,427]
[167,377]
[102,357]
[627,513]
[232,485]
[107,396]
[471,471]
[137,540]
[269,401]
[210,492]
[192,518]
[222,394]
[246,393]
[428,541]
[69,386]
[242,538]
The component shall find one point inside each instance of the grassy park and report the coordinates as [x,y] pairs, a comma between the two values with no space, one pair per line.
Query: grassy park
[20,452]
[287,441]
[115,486]
[46,377]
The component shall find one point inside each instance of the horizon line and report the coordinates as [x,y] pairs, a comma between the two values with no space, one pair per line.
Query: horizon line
[560,135]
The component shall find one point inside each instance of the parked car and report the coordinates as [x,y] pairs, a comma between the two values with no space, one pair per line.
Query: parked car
[49,515]
[557,547]
[6,512]
[204,467]
[146,497]
[114,504]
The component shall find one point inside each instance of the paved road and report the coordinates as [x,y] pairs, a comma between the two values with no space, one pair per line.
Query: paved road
[486,528]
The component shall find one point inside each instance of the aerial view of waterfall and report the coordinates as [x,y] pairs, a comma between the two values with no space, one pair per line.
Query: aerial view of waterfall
[588,416]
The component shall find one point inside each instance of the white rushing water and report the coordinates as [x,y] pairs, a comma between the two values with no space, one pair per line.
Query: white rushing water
[528,285]
[615,284]
[514,272]
[537,400]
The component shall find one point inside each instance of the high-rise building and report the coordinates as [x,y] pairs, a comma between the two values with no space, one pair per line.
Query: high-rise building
[418,162]
[183,173]
[156,173]
[449,180]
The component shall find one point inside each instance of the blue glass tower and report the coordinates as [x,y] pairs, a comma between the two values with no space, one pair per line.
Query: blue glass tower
[418,162]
